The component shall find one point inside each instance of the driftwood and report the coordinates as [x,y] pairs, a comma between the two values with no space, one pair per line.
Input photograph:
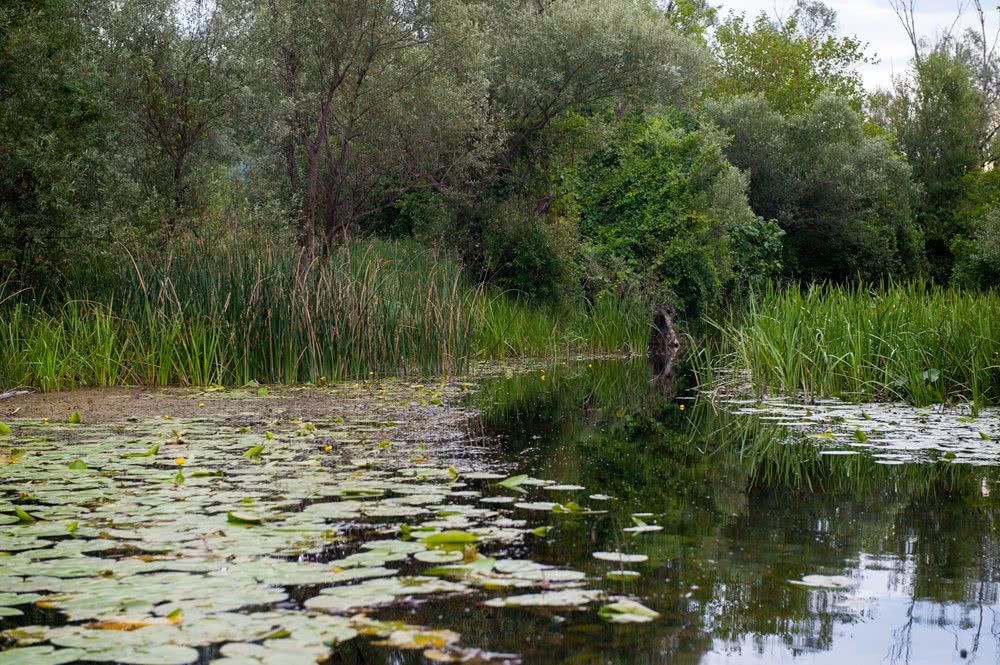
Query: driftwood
[14,393]
[663,343]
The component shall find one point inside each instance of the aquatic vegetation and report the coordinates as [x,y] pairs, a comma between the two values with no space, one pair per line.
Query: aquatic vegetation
[598,524]
[910,342]
[243,315]
[157,538]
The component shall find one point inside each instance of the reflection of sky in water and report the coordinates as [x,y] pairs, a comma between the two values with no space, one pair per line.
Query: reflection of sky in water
[876,620]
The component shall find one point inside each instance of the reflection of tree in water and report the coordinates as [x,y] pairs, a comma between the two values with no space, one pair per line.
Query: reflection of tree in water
[744,511]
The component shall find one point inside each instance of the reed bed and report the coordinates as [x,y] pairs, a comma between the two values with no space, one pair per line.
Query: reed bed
[249,313]
[914,342]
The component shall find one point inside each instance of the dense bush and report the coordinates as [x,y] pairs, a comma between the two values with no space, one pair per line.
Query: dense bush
[529,254]
[661,201]
[843,197]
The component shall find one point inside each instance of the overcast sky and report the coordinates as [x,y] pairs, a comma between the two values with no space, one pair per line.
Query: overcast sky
[873,21]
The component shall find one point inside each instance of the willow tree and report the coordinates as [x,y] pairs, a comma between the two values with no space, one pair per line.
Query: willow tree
[375,98]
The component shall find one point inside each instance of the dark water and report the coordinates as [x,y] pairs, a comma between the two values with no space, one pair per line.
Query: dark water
[743,512]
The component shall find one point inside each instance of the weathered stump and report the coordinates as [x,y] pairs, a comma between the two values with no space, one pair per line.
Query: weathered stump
[663,343]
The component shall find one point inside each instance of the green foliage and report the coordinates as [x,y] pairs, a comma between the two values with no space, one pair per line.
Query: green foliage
[526,254]
[50,120]
[790,62]
[843,197]
[938,119]
[977,259]
[248,312]
[661,200]
[909,341]
[757,249]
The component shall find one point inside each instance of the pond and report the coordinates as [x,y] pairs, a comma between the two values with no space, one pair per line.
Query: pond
[569,513]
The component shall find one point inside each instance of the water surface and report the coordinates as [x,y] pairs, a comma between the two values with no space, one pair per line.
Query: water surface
[768,549]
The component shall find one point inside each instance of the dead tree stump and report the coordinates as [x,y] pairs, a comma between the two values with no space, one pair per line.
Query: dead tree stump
[663,343]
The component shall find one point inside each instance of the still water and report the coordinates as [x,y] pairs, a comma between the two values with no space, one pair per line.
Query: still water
[744,513]
[750,542]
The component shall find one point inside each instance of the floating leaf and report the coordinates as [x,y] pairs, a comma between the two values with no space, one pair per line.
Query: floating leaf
[618,557]
[243,519]
[515,482]
[74,418]
[78,465]
[44,655]
[255,452]
[150,452]
[627,611]
[450,538]
[4,428]
[622,575]
[420,639]
[824,581]
[568,598]
[23,516]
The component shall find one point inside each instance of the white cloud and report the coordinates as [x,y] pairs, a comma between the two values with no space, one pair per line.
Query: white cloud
[874,22]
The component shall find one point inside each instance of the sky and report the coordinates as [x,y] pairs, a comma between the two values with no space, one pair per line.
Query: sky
[874,22]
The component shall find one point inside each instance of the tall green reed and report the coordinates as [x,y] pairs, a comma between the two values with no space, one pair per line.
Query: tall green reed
[256,312]
[914,341]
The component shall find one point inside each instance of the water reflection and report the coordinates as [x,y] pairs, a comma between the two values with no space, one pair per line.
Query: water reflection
[744,512]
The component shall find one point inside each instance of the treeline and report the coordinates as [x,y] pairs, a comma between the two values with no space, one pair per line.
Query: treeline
[562,149]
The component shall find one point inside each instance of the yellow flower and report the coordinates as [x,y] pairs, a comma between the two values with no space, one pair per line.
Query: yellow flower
[328,448]
[681,407]
[181,460]
[201,405]
[543,377]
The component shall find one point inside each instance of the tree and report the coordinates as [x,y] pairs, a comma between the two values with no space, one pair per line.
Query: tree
[662,202]
[791,62]
[51,123]
[843,197]
[938,118]
[375,100]
[581,55]
[177,64]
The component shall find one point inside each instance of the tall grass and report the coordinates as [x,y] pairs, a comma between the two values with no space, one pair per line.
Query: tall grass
[914,342]
[258,313]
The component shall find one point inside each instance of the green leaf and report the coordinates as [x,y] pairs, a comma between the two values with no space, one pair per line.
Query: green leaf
[23,516]
[515,482]
[74,418]
[254,453]
[985,437]
[78,465]
[150,452]
[243,519]
[4,428]
[860,436]
[541,531]
[452,537]
[627,611]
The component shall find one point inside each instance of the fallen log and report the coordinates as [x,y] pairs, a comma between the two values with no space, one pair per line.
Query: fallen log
[14,393]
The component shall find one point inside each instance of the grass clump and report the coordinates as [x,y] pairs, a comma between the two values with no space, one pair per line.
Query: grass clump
[914,342]
[244,313]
